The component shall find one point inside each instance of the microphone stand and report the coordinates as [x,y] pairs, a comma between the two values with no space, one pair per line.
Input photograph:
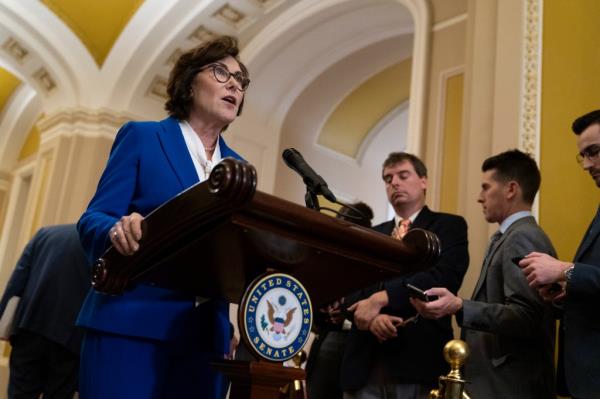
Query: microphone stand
[311,199]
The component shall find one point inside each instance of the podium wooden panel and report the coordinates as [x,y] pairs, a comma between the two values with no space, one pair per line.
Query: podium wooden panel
[223,233]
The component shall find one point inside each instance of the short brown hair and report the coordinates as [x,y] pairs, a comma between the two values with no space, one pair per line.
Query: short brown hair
[397,157]
[359,213]
[518,166]
[188,65]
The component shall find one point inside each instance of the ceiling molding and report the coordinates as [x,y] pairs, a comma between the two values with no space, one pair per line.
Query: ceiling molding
[82,122]
[51,46]
[15,50]
[16,120]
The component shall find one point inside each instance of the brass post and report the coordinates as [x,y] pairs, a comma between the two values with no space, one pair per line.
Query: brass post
[452,386]
[295,390]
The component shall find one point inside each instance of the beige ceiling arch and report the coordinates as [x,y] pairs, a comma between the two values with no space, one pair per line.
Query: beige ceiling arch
[352,120]
[287,56]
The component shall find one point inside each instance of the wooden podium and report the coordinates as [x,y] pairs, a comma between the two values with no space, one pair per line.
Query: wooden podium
[242,233]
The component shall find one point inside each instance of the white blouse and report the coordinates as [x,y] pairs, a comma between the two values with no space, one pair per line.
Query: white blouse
[197,152]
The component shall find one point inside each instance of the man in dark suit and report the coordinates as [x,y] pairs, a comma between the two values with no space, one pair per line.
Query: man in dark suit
[52,280]
[579,349]
[508,327]
[387,355]
[327,350]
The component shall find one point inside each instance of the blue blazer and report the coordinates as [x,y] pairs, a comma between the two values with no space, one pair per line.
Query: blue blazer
[149,164]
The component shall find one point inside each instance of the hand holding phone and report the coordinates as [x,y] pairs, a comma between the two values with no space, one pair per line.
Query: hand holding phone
[418,293]
[554,287]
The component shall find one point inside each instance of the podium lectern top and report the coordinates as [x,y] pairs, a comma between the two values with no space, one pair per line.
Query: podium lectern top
[217,236]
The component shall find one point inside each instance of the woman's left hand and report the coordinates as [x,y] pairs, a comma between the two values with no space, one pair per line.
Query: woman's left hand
[126,234]
[233,344]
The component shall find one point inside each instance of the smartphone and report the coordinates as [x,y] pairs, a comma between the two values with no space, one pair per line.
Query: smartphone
[554,287]
[517,259]
[418,293]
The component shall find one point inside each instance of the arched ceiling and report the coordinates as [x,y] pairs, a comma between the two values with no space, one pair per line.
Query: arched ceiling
[98,24]
[116,54]
[364,108]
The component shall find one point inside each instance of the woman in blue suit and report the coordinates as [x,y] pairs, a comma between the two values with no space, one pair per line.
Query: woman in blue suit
[152,342]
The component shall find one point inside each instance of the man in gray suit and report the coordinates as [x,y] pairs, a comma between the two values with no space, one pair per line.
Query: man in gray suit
[507,326]
[579,349]
[52,279]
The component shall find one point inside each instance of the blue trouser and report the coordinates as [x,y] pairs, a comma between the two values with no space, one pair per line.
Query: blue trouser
[121,367]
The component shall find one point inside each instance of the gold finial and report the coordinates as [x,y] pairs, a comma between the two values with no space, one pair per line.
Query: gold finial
[451,386]
[296,389]
[456,353]
[299,358]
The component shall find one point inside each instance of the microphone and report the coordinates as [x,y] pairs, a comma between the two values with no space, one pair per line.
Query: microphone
[313,181]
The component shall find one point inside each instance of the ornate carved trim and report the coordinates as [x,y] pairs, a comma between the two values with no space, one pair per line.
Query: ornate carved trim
[82,122]
[202,35]
[531,78]
[15,49]
[172,60]
[44,80]
[232,16]
[268,5]
[158,89]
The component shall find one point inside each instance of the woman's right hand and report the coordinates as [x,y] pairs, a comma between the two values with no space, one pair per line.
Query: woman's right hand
[126,234]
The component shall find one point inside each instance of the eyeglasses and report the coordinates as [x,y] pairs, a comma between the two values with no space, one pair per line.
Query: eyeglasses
[591,153]
[222,75]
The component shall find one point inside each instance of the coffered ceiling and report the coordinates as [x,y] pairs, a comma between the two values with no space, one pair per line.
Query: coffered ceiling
[116,54]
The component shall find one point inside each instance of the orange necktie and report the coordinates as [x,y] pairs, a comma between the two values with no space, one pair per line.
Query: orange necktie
[400,231]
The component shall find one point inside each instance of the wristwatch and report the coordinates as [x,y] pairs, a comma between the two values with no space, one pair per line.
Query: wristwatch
[569,273]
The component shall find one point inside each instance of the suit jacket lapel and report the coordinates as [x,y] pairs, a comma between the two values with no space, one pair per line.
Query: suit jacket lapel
[590,236]
[423,219]
[176,151]
[497,245]
[486,264]
[386,228]
[226,151]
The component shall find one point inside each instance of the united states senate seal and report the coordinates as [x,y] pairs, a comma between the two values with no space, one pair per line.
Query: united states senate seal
[275,316]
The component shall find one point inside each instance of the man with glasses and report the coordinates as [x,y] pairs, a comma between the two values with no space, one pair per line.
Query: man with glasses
[579,343]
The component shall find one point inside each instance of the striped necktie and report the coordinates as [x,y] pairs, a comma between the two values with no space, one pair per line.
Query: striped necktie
[401,229]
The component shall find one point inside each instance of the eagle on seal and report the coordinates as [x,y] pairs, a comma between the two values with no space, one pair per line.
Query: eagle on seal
[278,323]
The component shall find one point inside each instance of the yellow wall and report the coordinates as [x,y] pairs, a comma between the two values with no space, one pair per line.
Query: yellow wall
[446,61]
[452,144]
[31,145]
[8,86]
[570,88]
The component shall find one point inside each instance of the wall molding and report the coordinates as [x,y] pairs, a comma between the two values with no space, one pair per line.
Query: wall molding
[450,22]
[81,122]
[420,67]
[437,162]
[529,135]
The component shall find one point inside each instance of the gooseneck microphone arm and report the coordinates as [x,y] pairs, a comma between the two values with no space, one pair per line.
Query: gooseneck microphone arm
[315,184]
